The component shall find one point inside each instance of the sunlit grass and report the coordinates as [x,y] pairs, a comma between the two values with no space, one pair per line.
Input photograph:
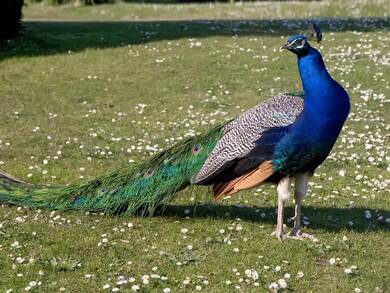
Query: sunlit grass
[78,100]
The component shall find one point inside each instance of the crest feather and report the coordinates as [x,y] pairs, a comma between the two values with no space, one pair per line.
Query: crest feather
[314,32]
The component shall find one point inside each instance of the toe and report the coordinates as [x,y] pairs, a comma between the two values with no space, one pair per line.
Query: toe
[279,235]
[294,237]
[298,235]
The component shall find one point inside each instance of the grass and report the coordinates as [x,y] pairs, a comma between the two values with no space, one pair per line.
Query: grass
[78,99]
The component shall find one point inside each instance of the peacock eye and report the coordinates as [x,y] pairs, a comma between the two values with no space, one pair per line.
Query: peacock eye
[196,149]
[148,173]
[298,43]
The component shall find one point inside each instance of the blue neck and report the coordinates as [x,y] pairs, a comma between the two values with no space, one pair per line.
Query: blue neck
[326,104]
[313,72]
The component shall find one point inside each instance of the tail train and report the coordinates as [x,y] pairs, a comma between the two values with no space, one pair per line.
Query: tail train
[141,186]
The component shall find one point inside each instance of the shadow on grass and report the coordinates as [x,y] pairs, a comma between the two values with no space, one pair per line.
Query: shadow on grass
[62,37]
[193,1]
[332,219]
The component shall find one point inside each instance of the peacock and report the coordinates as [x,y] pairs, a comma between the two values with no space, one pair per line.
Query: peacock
[282,139]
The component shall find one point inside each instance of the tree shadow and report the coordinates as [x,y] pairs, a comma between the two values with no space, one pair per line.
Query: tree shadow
[326,218]
[62,37]
[189,1]
[183,1]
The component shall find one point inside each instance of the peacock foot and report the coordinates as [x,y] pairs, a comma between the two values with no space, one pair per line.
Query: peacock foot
[279,235]
[299,235]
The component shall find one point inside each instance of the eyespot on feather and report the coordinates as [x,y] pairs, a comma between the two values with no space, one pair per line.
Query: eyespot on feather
[148,173]
[196,149]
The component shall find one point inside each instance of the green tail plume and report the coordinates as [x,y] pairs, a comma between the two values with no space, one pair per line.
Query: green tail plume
[140,187]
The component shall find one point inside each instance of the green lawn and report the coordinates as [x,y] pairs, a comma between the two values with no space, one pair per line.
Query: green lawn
[78,99]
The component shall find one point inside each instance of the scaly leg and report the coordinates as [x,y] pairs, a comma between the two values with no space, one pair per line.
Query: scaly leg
[283,194]
[301,186]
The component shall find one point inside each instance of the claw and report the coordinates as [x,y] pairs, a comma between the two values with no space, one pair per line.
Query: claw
[279,235]
[298,235]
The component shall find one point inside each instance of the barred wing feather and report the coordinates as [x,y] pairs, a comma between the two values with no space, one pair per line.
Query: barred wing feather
[241,134]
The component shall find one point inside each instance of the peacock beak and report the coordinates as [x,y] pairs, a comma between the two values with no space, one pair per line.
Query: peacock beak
[286,46]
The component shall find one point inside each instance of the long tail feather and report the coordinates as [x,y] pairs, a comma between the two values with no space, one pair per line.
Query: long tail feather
[142,186]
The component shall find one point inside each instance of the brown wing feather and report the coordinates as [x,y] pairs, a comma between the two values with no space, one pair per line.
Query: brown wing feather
[246,181]
[256,177]
[224,188]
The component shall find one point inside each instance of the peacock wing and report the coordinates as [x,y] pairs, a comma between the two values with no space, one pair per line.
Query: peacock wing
[241,135]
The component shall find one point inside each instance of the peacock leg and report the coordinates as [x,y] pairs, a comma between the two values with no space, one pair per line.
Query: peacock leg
[283,194]
[301,186]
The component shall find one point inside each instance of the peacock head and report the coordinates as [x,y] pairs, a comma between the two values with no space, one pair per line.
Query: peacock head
[299,44]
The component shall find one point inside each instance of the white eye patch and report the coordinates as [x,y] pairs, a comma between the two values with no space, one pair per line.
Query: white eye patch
[300,43]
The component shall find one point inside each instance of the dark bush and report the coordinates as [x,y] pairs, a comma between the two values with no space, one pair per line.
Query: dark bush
[92,2]
[10,18]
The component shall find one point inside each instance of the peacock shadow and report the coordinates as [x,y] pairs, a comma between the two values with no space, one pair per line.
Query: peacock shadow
[325,218]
